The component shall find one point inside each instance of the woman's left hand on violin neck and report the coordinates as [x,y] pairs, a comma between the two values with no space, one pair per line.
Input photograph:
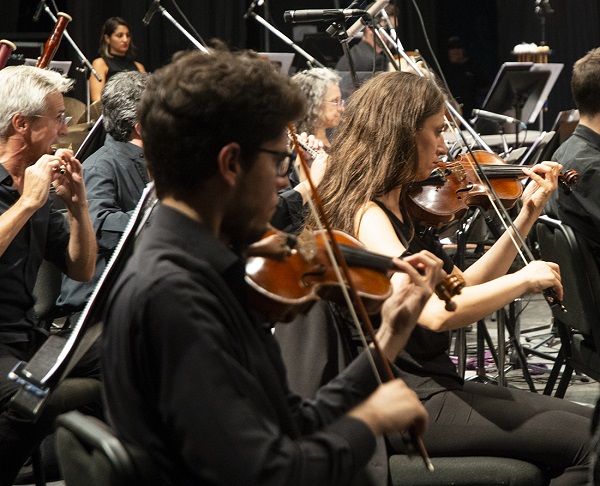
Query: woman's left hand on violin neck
[421,273]
[544,181]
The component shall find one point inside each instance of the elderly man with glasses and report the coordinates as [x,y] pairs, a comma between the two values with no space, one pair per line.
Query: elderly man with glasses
[32,118]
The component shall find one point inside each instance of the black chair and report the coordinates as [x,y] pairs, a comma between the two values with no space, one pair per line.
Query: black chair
[563,128]
[90,454]
[46,291]
[465,471]
[579,327]
[74,392]
[538,149]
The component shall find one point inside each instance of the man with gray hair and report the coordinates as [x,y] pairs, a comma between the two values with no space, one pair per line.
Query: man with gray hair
[32,118]
[115,176]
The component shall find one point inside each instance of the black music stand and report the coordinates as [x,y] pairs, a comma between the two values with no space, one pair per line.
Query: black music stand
[520,90]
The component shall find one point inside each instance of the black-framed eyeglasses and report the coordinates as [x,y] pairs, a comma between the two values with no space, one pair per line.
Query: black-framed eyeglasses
[285,159]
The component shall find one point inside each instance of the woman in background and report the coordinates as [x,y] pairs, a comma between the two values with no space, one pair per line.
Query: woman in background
[324,102]
[116,54]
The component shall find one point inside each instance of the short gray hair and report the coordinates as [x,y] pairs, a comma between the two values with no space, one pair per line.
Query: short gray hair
[314,84]
[120,100]
[23,89]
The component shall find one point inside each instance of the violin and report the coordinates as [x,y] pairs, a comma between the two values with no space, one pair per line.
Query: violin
[285,281]
[455,186]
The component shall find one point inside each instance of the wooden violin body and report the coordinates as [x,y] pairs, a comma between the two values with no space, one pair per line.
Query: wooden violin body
[282,288]
[455,186]
[285,283]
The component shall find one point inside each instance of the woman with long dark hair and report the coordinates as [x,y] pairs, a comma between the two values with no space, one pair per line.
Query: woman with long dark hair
[389,137]
[117,54]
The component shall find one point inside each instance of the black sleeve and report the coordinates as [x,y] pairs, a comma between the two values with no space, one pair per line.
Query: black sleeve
[290,213]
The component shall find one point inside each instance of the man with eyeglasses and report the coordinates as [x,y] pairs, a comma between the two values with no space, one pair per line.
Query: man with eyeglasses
[191,373]
[32,119]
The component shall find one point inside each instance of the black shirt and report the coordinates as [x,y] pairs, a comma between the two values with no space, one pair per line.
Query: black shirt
[362,56]
[581,208]
[115,176]
[424,363]
[118,64]
[44,236]
[194,378]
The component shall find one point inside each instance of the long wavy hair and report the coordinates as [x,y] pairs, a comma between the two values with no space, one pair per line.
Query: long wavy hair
[314,84]
[374,150]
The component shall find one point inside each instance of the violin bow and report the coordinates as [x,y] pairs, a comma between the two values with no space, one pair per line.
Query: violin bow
[522,249]
[349,290]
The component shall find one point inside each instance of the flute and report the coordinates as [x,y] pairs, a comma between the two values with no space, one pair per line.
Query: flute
[6,49]
[54,40]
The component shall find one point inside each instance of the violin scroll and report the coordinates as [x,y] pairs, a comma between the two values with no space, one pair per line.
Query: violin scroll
[568,179]
[451,286]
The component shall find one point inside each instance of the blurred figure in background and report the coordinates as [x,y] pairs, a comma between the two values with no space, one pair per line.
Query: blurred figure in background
[467,81]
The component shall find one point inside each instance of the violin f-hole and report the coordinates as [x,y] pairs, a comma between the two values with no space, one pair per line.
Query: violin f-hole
[319,271]
[466,189]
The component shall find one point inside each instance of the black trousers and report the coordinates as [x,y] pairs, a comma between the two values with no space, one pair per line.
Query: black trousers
[488,420]
[19,436]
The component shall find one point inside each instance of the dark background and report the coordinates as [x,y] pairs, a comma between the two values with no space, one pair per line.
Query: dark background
[489,29]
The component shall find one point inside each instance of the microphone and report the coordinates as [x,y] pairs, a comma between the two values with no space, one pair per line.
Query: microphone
[488,115]
[151,11]
[38,10]
[253,5]
[373,10]
[320,15]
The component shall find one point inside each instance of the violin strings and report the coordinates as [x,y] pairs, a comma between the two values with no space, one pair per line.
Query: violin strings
[334,263]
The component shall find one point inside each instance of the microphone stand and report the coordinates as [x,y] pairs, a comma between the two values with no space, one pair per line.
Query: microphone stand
[338,30]
[312,62]
[86,68]
[455,114]
[163,11]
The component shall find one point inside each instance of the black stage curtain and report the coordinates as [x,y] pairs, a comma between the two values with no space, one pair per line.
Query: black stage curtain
[489,28]
[222,19]
[571,31]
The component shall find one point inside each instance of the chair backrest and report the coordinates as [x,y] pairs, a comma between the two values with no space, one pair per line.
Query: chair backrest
[91,454]
[538,149]
[563,128]
[46,290]
[580,276]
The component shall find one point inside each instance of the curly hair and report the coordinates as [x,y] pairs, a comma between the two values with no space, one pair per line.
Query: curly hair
[108,29]
[585,83]
[313,83]
[374,150]
[199,103]
[120,100]
[23,89]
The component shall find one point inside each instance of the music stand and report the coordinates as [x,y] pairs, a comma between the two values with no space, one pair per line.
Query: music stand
[520,90]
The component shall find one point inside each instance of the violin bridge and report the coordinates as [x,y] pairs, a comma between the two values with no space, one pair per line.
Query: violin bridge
[307,245]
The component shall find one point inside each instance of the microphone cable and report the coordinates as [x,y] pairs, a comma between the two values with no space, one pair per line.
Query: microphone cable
[435,60]
[189,24]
